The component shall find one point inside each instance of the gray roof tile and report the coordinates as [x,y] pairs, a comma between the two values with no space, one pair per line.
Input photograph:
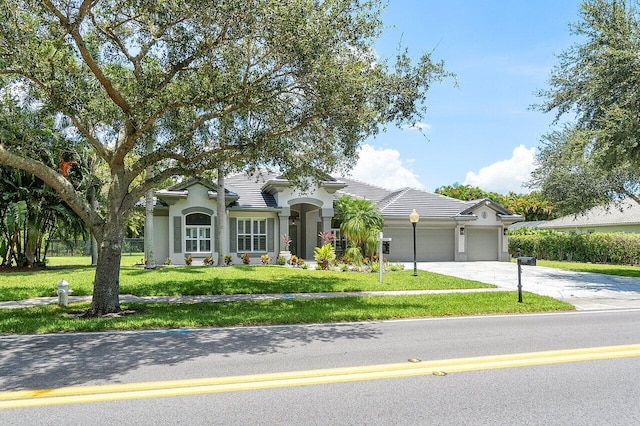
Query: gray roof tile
[626,212]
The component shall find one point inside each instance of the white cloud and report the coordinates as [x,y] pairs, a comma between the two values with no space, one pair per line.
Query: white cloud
[384,168]
[506,175]
[420,127]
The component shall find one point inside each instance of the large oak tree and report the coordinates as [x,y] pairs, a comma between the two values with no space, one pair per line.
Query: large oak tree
[595,158]
[300,73]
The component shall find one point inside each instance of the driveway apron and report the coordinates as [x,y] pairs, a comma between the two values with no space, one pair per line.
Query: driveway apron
[584,290]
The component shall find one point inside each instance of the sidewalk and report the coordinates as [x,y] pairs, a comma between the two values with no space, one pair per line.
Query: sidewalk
[129,298]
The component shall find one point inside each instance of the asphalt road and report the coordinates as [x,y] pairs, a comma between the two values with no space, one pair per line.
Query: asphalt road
[600,391]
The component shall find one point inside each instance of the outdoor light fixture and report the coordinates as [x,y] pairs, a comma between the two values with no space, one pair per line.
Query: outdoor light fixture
[505,231]
[414,217]
[462,230]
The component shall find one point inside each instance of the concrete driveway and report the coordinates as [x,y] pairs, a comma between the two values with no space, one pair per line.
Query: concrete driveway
[584,290]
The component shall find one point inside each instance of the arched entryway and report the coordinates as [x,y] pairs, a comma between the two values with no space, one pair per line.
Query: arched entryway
[307,219]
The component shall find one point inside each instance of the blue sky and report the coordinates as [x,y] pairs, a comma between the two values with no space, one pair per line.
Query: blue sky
[483,132]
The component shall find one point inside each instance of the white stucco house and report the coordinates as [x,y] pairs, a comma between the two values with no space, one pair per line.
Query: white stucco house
[261,209]
[623,216]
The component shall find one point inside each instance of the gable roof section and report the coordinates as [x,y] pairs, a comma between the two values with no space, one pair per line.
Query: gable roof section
[249,190]
[363,190]
[626,213]
[181,190]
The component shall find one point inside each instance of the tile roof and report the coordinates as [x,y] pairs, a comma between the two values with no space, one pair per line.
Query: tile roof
[401,202]
[625,213]
[363,190]
[249,189]
[392,204]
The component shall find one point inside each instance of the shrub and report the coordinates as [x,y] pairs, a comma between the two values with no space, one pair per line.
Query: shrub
[228,260]
[265,259]
[245,258]
[208,261]
[618,248]
[168,261]
[281,261]
[294,260]
[188,260]
[353,256]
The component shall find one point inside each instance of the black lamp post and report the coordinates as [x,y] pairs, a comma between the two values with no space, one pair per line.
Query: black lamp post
[414,217]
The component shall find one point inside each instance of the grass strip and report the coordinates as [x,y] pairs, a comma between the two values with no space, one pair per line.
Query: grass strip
[595,268]
[56,319]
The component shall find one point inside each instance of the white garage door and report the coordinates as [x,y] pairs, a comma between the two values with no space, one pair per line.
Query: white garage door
[482,244]
[432,245]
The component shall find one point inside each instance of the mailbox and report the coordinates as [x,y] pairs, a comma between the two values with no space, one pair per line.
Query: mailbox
[527,261]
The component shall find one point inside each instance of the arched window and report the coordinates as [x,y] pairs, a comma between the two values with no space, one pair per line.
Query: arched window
[197,233]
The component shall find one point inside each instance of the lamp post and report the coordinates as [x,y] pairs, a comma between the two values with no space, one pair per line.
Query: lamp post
[414,217]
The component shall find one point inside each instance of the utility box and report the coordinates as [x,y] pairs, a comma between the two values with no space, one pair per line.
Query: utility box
[527,261]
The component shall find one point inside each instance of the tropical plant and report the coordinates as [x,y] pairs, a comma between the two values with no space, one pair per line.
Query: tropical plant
[326,237]
[324,255]
[286,239]
[246,259]
[188,260]
[208,260]
[265,259]
[228,260]
[360,223]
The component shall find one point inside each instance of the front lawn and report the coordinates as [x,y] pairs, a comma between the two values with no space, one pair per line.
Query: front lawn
[206,280]
[56,319]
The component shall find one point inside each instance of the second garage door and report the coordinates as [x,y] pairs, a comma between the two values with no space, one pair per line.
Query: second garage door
[482,244]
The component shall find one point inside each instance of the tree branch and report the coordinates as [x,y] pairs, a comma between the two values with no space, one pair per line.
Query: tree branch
[56,181]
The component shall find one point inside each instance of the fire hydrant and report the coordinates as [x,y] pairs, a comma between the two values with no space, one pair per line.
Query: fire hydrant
[63,293]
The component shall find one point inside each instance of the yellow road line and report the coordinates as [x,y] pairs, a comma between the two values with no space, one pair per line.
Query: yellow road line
[119,392]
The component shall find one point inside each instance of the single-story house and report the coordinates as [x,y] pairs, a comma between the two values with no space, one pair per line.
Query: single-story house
[261,209]
[622,217]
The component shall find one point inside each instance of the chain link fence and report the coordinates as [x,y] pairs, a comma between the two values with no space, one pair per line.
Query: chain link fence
[83,248]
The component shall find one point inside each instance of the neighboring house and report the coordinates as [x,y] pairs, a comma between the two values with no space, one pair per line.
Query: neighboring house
[260,210]
[623,217]
[532,224]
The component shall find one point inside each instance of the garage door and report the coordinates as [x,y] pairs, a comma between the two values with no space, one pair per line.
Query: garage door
[432,245]
[482,244]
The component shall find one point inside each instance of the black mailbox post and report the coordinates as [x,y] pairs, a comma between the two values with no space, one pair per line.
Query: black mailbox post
[527,261]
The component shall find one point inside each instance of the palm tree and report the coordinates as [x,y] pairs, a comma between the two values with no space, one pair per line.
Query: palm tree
[360,223]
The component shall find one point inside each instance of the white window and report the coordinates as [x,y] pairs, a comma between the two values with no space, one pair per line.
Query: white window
[197,233]
[252,235]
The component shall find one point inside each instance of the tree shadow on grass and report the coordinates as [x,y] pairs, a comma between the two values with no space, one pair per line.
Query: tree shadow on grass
[51,361]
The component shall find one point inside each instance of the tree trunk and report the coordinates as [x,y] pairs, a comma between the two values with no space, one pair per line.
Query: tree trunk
[106,285]
[149,256]
[94,251]
[221,219]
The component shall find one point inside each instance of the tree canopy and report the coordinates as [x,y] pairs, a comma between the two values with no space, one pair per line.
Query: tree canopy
[595,158]
[300,76]
[533,206]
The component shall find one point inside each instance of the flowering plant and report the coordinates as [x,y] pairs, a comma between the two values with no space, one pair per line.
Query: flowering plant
[286,240]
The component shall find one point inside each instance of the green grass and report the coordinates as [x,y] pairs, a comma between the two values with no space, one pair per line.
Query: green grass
[596,268]
[203,280]
[55,319]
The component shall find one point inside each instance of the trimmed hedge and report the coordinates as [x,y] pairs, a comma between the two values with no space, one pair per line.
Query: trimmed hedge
[617,248]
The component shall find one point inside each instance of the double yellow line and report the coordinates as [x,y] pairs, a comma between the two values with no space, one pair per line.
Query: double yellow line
[89,394]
